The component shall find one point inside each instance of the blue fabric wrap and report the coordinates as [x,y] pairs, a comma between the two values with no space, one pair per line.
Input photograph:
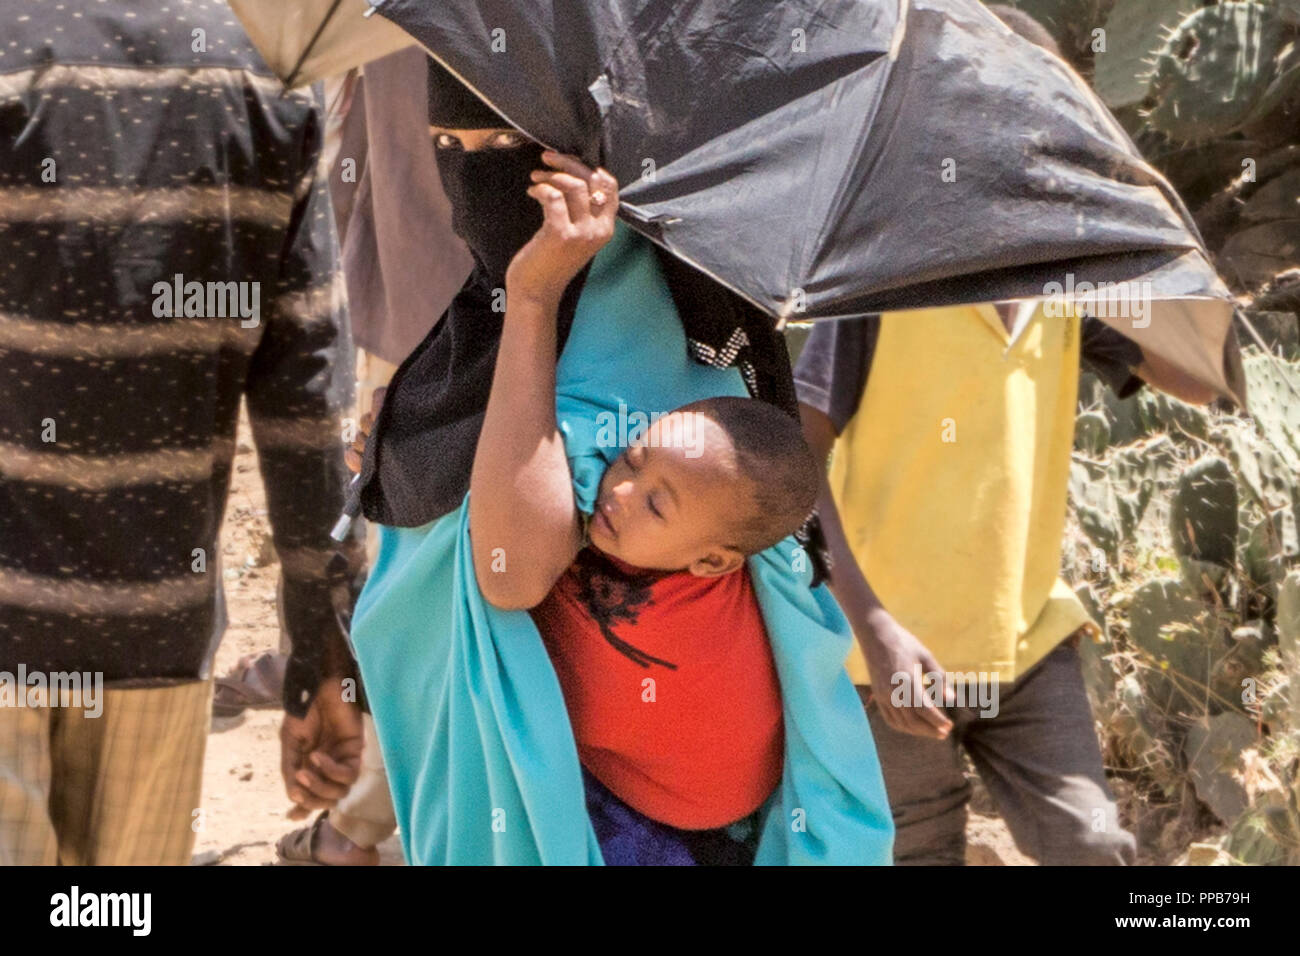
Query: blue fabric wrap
[471,720]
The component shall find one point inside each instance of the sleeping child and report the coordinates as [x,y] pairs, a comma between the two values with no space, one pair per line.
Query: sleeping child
[645,606]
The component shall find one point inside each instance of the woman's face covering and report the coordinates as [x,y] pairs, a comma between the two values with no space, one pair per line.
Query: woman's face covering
[485,173]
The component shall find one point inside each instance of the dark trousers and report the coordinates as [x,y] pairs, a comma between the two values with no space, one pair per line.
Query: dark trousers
[1039,759]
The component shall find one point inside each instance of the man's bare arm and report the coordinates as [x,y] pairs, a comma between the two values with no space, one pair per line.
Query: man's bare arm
[847,583]
[889,648]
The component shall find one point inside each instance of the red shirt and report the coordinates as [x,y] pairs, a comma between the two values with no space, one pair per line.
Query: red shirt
[684,723]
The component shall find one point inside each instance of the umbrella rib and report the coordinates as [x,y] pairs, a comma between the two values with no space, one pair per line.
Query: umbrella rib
[306,51]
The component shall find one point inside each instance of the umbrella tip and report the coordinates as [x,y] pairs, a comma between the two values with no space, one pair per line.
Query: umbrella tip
[796,301]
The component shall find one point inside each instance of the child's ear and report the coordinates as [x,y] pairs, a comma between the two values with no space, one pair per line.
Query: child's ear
[717,562]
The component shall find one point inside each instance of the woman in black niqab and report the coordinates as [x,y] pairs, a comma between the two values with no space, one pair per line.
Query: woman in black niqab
[420,453]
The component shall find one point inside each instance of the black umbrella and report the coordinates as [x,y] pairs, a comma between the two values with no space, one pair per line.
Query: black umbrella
[833,159]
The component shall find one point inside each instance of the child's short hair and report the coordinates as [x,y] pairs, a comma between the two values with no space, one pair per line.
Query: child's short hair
[773,457]
[1026,26]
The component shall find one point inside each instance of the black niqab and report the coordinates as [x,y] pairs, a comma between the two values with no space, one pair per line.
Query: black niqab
[421,451]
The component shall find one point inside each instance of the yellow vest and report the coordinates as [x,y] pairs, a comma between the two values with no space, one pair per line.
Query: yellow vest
[951,481]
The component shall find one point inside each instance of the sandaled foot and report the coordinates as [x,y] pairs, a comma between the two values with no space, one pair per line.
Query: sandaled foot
[255,683]
[321,845]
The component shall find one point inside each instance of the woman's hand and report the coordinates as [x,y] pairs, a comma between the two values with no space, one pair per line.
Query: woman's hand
[579,206]
[353,453]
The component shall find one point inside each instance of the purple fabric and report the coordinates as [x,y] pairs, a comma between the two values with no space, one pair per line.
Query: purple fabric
[629,838]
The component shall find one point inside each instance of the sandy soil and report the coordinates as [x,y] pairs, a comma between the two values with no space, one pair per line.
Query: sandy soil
[244,801]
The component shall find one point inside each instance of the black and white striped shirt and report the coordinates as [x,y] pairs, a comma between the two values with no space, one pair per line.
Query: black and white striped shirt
[146,148]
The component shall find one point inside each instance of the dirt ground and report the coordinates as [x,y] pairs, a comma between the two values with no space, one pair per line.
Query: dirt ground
[244,802]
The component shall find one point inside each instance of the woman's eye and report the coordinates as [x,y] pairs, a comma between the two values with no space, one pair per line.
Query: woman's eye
[506,140]
[446,141]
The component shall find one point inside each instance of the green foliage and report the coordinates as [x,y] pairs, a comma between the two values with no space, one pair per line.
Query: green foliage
[1176,631]
[1274,388]
[1222,68]
[1288,615]
[1213,751]
[1260,839]
[1198,71]
[1198,692]
[1135,32]
[1204,521]
[1092,433]
[1198,510]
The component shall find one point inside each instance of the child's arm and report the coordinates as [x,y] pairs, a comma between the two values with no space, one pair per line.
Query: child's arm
[525,528]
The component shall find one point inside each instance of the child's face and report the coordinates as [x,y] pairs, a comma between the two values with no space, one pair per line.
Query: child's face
[666,503]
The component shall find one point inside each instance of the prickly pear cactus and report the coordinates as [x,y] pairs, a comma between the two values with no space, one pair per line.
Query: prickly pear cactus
[1204,518]
[1220,69]
[1177,632]
[1197,510]
[1135,32]
[1268,550]
[1274,388]
[1213,749]
[1092,433]
[1136,732]
[1160,412]
[1263,475]
[1095,507]
[1253,842]
[1235,676]
[1288,616]
[1122,413]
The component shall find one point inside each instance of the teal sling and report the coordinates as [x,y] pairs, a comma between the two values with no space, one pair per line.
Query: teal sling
[478,747]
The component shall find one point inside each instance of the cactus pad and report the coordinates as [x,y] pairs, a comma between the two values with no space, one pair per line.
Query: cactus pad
[1204,514]
[1220,69]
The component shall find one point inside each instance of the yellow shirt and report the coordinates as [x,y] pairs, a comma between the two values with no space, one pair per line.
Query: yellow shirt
[951,482]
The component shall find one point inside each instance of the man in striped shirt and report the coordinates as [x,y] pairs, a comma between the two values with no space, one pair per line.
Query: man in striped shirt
[166,248]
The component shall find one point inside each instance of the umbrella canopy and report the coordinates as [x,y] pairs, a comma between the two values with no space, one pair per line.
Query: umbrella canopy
[833,158]
[303,41]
